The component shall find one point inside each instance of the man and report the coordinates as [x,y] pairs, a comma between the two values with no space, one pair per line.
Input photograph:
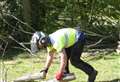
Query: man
[69,43]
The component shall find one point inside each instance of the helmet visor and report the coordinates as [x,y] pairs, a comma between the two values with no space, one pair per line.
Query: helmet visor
[34,41]
[34,47]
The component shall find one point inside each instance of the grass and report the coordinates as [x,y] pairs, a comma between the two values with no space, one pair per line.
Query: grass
[108,66]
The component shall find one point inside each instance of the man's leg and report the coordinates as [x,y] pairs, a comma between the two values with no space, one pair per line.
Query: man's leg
[76,52]
[68,52]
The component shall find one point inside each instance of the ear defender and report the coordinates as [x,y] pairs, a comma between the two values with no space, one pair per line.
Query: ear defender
[42,41]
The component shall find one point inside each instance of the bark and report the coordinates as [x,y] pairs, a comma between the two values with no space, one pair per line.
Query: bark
[27,11]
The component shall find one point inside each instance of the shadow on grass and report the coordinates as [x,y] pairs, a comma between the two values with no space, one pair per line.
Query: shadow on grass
[10,54]
[114,80]
[105,57]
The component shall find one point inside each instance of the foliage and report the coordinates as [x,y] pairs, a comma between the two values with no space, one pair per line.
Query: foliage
[97,18]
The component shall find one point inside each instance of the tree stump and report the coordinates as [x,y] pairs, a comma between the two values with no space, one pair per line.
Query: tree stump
[118,48]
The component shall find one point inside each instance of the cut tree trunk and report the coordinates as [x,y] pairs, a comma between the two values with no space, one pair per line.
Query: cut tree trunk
[38,76]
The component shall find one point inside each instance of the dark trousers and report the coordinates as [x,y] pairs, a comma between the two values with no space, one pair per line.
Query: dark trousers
[73,54]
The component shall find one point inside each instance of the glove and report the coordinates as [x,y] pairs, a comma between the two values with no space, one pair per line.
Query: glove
[43,73]
[59,75]
[44,70]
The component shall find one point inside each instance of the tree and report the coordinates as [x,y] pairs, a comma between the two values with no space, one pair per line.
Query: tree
[27,11]
[97,18]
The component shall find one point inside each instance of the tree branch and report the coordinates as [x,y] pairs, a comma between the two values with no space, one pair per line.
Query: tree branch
[98,42]
[21,44]
[3,67]
[5,21]
[19,20]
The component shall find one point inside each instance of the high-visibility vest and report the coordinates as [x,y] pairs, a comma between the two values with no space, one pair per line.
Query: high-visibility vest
[62,38]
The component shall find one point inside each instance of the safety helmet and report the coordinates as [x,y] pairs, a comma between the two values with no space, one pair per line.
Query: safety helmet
[38,38]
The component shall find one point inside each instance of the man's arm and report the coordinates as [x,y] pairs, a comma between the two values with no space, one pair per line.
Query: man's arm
[49,59]
[63,61]
[47,65]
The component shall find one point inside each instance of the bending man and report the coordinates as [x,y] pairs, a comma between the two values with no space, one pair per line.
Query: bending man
[69,43]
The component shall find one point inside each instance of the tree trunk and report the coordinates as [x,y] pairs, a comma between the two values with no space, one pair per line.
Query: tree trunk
[118,46]
[27,11]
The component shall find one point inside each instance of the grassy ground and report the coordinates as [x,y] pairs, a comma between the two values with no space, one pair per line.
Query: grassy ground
[108,66]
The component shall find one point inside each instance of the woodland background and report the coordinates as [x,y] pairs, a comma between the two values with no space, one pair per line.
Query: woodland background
[19,19]
[99,19]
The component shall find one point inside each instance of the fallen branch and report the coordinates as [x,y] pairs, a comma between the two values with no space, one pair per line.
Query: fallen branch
[98,42]
[19,20]
[21,44]
[2,14]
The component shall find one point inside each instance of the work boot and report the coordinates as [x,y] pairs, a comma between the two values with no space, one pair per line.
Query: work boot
[92,77]
[68,77]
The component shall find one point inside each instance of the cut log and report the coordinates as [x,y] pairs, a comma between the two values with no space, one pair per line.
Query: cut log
[29,77]
[54,80]
[38,76]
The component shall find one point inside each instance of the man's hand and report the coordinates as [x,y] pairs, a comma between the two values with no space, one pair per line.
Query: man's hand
[44,70]
[43,73]
[59,75]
